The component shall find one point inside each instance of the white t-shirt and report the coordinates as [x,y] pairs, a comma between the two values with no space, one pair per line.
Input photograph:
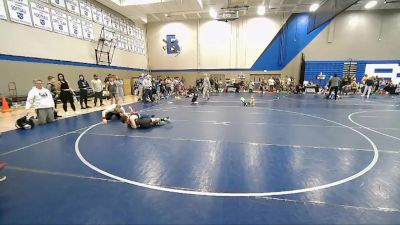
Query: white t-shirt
[97,86]
[271,81]
[39,98]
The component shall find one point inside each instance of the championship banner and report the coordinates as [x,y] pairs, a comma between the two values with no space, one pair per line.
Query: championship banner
[59,20]
[109,36]
[122,26]
[75,29]
[3,14]
[117,39]
[19,11]
[86,10]
[73,6]
[141,34]
[58,3]
[107,20]
[115,22]
[130,44]
[97,15]
[135,32]
[125,42]
[130,30]
[135,46]
[41,16]
[87,29]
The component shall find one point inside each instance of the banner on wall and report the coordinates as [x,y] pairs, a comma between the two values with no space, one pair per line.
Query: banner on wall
[58,3]
[117,39]
[87,30]
[45,1]
[107,19]
[73,6]
[86,10]
[59,20]
[130,44]
[41,16]
[19,11]
[97,15]
[122,26]
[129,30]
[125,43]
[115,22]
[3,14]
[75,29]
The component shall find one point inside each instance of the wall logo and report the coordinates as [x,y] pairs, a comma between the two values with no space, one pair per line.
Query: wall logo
[387,71]
[172,45]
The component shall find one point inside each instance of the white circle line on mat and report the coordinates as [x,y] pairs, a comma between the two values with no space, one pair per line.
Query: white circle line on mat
[370,129]
[238,194]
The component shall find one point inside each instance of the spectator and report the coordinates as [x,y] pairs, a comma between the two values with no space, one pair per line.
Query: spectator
[251,86]
[83,91]
[41,99]
[271,83]
[120,88]
[206,87]
[51,86]
[98,90]
[112,89]
[369,83]
[66,94]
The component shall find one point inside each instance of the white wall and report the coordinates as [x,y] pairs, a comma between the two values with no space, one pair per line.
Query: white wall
[209,44]
[21,40]
[356,35]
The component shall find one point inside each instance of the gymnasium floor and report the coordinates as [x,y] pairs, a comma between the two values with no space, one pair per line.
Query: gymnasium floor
[296,159]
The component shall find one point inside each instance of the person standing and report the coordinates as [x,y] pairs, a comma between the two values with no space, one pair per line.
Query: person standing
[206,87]
[51,86]
[98,90]
[369,83]
[147,87]
[83,91]
[66,94]
[112,89]
[120,88]
[271,83]
[334,86]
[41,99]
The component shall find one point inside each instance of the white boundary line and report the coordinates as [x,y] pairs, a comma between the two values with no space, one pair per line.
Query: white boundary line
[387,135]
[42,141]
[230,194]
[59,174]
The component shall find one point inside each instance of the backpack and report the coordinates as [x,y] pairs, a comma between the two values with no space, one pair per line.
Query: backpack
[25,123]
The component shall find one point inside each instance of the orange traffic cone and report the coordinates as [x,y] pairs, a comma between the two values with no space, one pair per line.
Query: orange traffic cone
[6,108]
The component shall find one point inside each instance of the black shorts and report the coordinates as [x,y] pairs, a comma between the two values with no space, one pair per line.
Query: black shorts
[143,122]
[109,115]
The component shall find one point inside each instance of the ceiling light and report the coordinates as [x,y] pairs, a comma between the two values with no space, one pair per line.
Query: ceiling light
[166,15]
[314,7]
[139,2]
[261,10]
[213,13]
[370,4]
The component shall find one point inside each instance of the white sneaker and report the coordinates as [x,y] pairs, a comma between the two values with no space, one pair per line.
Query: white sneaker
[3,178]
[67,114]
[77,112]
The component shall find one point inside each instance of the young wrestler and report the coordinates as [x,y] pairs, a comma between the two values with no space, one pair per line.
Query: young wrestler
[112,110]
[135,120]
[250,102]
